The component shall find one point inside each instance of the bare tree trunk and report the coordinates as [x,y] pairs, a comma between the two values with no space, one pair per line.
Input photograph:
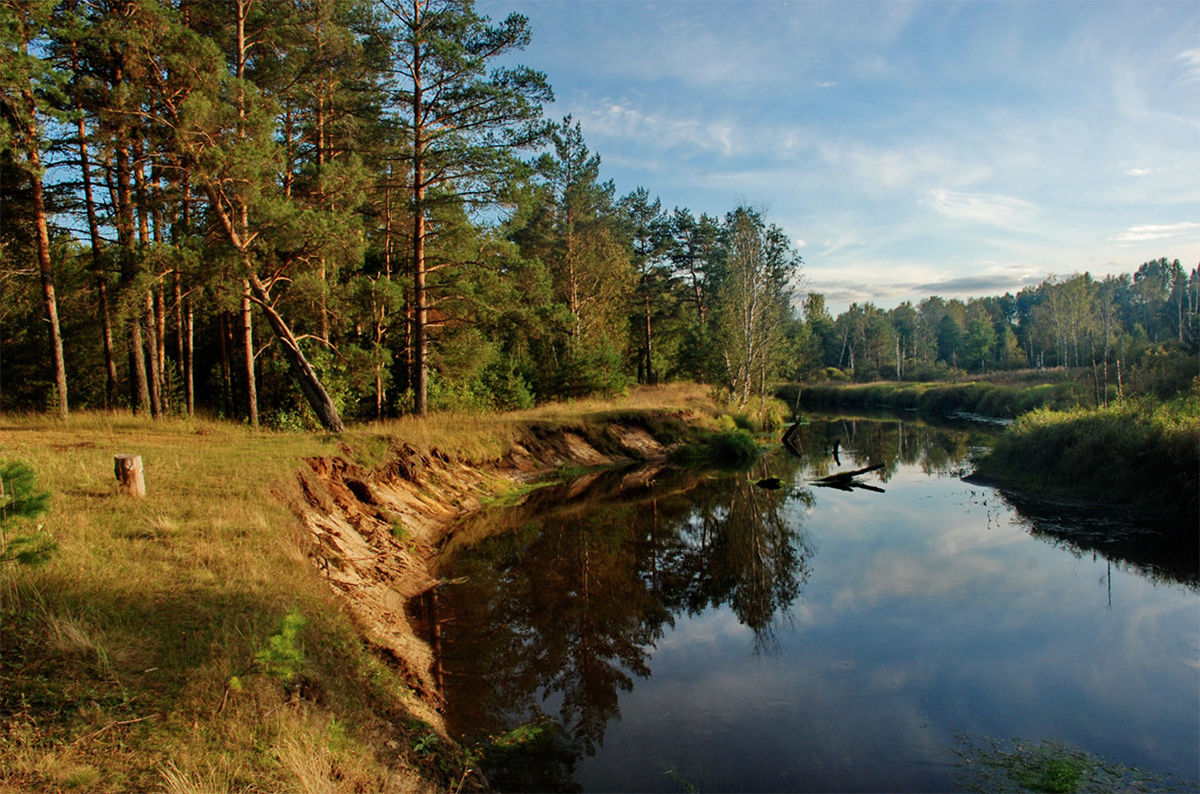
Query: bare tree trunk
[139,386]
[184,301]
[226,365]
[248,356]
[650,379]
[189,357]
[110,362]
[139,382]
[160,336]
[152,348]
[47,270]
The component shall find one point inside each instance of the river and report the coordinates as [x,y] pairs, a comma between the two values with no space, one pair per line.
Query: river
[663,630]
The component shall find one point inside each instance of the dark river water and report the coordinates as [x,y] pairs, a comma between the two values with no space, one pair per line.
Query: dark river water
[692,631]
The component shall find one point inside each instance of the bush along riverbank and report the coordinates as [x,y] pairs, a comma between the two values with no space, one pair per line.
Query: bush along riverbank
[1141,453]
[987,398]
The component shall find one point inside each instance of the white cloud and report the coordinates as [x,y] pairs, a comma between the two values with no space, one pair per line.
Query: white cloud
[875,170]
[617,121]
[1137,234]
[998,210]
[1191,64]
[1139,171]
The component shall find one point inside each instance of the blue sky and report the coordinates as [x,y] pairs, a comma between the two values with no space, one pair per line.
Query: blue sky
[909,149]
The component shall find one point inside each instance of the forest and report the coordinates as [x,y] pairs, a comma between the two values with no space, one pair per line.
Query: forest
[298,213]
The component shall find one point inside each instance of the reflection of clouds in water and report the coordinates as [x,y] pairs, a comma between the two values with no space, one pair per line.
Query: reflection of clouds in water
[846,720]
[913,614]
[710,628]
[914,548]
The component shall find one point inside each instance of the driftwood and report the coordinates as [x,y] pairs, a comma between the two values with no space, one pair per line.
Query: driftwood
[845,479]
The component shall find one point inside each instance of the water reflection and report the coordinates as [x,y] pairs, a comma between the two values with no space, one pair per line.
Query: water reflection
[558,606]
[1167,553]
[565,599]
[561,604]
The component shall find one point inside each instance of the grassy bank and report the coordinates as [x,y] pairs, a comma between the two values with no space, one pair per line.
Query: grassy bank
[1003,398]
[139,656]
[182,642]
[1142,453]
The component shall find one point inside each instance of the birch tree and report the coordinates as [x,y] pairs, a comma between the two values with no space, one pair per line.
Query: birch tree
[754,302]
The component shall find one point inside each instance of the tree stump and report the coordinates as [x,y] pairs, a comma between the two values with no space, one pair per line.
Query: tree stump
[130,480]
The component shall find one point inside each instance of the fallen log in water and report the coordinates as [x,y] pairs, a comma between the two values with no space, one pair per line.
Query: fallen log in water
[846,476]
[845,479]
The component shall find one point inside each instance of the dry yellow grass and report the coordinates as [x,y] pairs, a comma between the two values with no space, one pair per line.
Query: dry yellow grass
[484,437]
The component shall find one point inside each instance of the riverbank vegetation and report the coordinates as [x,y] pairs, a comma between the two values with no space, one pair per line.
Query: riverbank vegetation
[1005,396]
[1139,452]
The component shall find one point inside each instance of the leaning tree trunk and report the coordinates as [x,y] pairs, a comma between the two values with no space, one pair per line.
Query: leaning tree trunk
[306,377]
[303,372]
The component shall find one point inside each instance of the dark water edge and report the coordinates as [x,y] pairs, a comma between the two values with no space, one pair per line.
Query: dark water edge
[677,630]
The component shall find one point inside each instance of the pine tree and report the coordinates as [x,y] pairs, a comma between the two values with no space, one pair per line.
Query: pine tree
[462,125]
[26,84]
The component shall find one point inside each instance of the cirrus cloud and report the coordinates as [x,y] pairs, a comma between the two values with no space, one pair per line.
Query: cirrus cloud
[981,207]
[1139,234]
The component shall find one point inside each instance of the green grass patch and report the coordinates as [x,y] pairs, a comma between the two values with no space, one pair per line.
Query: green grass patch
[1017,765]
[151,649]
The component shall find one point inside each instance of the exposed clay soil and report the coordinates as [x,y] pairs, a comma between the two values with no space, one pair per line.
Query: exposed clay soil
[373,533]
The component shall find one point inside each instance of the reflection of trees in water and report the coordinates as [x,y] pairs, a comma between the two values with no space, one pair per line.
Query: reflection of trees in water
[830,445]
[738,550]
[569,602]
[1164,553]
[561,605]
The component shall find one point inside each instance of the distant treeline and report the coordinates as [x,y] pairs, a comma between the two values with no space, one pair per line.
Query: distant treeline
[302,212]
[1140,330]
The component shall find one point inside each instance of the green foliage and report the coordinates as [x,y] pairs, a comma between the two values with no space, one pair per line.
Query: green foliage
[21,501]
[536,756]
[979,397]
[283,655]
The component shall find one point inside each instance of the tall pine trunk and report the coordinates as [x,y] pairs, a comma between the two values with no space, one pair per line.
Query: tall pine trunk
[47,272]
[248,356]
[420,312]
[110,362]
